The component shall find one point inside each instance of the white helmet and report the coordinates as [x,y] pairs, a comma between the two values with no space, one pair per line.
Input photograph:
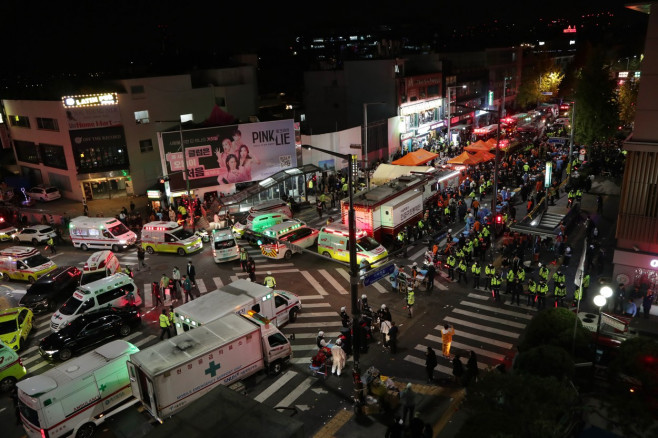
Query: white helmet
[338,342]
[269,272]
[320,333]
[383,306]
[539,264]
[343,309]
[363,297]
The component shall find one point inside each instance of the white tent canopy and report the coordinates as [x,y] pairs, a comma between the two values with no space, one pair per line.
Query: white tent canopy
[388,172]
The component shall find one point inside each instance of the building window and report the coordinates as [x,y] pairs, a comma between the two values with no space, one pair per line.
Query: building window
[136,89]
[47,124]
[53,156]
[26,151]
[19,121]
[146,145]
[623,74]
[141,117]
[101,158]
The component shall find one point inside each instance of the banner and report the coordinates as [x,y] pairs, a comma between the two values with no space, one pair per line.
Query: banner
[229,154]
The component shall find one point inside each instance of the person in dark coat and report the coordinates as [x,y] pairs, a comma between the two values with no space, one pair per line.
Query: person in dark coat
[191,272]
[472,370]
[457,369]
[430,364]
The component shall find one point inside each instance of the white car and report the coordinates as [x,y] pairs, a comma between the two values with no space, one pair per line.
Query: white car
[35,234]
[44,193]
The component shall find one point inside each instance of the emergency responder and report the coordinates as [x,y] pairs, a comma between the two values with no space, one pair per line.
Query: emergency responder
[172,316]
[244,258]
[451,261]
[585,283]
[461,271]
[384,313]
[421,228]
[164,325]
[543,273]
[410,302]
[489,271]
[475,270]
[344,317]
[558,278]
[403,280]
[269,281]
[532,292]
[496,282]
[579,195]
[570,198]
[559,292]
[401,241]
[542,291]
[511,281]
[51,245]
[577,296]
[516,291]
[520,279]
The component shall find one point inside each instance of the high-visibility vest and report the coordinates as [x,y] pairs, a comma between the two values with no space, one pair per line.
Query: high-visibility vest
[451,261]
[462,266]
[578,294]
[496,281]
[486,232]
[532,287]
[490,270]
[244,255]
[542,289]
[171,317]
[560,291]
[476,269]
[543,273]
[410,298]
[269,281]
[520,275]
[586,281]
[510,275]
[164,321]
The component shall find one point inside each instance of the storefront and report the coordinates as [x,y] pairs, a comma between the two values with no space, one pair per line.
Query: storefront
[420,123]
[106,185]
[636,270]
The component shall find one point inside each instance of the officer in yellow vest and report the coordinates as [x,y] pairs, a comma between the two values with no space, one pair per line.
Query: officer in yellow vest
[461,270]
[490,272]
[542,291]
[410,302]
[269,281]
[164,325]
[496,282]
[543,273]
[172,316]
[532,292]
[559,292]
[511,279]
[475,270]
[451,262]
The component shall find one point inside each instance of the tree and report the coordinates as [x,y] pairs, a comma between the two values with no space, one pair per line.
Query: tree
[546,361]
[539,75]
[627,100]
[555,327]
[597,115]
[550,83]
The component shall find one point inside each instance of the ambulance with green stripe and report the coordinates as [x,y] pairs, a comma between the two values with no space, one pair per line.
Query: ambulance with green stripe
[333,242]
[161,236]
[24,263]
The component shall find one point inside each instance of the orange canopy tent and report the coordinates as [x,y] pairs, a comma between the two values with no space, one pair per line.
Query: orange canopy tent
[416,158]
[492,142]
[484,156]
[464,158]
[479,146]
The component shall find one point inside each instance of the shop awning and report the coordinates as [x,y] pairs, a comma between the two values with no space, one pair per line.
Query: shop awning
[387,172]
[484,156]
[491,142]
[464,158]
[479,146]
[415,158]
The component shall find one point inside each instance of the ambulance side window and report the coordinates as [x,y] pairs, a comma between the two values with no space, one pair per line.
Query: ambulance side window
[21,265]
[86,305]
[276,340]
[169,238]
[107,234]
[256,308]
[279,301]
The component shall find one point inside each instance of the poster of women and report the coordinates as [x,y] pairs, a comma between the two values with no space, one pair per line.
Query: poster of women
[229,154]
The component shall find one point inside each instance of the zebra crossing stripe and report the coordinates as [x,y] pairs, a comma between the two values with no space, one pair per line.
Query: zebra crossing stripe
[464,323]
[381,289]
[314,305]
[439,284]
[464,347]
[423,348]
[201,286]
[297,392]
[271,265]
[317,314]
[497,310]
[327,335]
[218,282]
[306,347]
[310,297]
[29,350]
[30,359]
[315,325]
[341,290]
[37,366]
[148,296]
[418,361]
[314,283]
[44,330]
[234,278]
[343,273]
[493,319]
[282,380]
[479,297]
[418,254]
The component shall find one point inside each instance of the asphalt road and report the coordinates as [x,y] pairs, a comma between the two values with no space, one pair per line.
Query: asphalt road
[490,329]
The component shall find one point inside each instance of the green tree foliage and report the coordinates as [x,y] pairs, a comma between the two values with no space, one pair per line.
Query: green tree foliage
[627,100]
[555,327]
[539,74]
[518,405]
[546,361]
[597,115]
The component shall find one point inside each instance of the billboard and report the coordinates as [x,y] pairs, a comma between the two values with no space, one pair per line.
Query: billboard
[228,154]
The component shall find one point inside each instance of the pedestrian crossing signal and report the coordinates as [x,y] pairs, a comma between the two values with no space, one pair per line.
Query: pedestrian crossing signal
[499,219]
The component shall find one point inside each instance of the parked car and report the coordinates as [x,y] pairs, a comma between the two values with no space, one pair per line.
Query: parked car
[89,330]
[15,326]
[52,289]
[35,234]
[44,193]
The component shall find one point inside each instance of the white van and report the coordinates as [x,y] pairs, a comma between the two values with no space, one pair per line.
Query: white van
[99,265]
[24,263]
[117,290]
[75,397]
[164,236]
[224,246]
[273,206]
[333,242]
[100,232]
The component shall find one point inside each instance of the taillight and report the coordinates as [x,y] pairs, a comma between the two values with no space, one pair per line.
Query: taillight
[20,361]
[44,433]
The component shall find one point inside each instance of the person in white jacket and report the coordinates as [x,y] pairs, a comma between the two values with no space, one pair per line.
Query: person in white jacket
[338,358]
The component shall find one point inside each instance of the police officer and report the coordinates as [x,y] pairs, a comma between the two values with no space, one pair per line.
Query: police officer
[559,292]
[461,270]
[511,281]
[532,292]
[172,316]
[51,245]
[269,281]
[411,299]
[577,296]
[542,291]
[516,291]
[244,258]
[558,278]
[543,273]
[164,324]
[475,270]
[496,282]
[490,272]
[384,313]
[344,317]
[451,261]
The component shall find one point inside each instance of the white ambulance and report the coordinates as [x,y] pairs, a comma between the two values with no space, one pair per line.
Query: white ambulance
[224,246]
[161,236]
[333,242]
[75,397]
[100,232]
[99,265]
[24,263]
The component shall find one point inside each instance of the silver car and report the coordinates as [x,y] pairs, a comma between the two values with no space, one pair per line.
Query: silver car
[35,234]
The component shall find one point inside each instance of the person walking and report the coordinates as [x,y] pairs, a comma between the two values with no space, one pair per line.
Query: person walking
[155,293]
[175,276]
[344,317]
[244,258]
[496,282]
[384,327]
[457,369]
[141,254]
[447,332]
[187,289]
[393,338]
[164,325]
[191,272]
[164,285]
[172,317]
[431,273]
[411,299]
[408,399]
[430,364]
[338,358]
[51,245]
[269,281]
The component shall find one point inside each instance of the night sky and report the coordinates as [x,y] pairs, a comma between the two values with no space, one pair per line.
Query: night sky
[97,34]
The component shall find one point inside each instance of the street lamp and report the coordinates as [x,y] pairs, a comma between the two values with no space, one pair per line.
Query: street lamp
[365,138]
[354,278]
[448,97]
[599,301]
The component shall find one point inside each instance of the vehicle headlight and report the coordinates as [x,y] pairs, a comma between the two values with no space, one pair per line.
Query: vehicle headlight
[51,352]
[123,242]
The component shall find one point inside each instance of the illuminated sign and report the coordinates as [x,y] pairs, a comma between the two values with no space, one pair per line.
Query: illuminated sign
[549,173]
[418,107]
[153,194]
[654,263]
[90,100]
[569,29]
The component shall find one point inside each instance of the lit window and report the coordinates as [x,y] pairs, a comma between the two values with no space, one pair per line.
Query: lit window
[636,74]
[623,74]
[141,117]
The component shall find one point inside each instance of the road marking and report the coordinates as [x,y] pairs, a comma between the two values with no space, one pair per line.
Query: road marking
[318,325]
[327,335]
[316,314]
[463,347]
[148,296]
[28,351]
[31,359]
[341,290]
[481,365]
[218,282]
[44,330]
[274,271]
[483,339]
[421,362]
[314,283]
[43,317]
[143,341]
[52,256]
[234,278]
[343,273]
[479,297]
[418,254]
[493,319]
[282,380]
[297,392]
[497,310]
[313,305]
[274,265]
[305,347]
[201,286]
[38,366]
[381,289]
[481,327]
[310,297]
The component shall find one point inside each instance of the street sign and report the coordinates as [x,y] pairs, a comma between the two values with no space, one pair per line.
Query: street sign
[547,93]
[375,275]
[559,140]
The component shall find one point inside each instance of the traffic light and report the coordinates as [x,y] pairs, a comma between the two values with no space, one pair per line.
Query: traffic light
[499,219]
